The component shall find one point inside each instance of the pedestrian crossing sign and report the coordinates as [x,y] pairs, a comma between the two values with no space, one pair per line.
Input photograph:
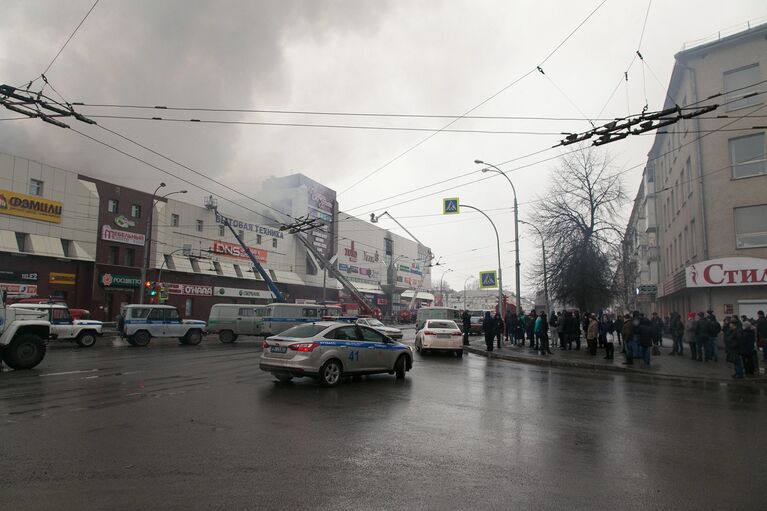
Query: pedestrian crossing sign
[450,206]
[488,279]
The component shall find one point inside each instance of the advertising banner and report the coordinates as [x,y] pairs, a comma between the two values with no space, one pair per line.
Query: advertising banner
[727,271]
[30,206]
[118,236]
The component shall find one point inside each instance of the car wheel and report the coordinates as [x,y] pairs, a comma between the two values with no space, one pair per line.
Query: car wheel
[141,338]
[86,339]
[400,367]
[330,373]
[283,378]
[226,336]
[193,337]
[24,352]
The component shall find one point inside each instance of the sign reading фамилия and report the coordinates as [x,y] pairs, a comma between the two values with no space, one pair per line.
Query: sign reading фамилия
[451,206]
[488,279]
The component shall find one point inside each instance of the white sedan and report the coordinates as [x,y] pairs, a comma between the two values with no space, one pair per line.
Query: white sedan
[439,335]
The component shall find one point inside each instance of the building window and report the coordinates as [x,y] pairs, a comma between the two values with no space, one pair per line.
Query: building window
[274,242]
[21,241]
[174,219]
[751,226]
[35,187]
[188,307]
[747,156]
[135,211]
[221,231]
[258,239]
[66,246]
[198,225]
[129,258]
[741,81]
[113,255]
[112,205]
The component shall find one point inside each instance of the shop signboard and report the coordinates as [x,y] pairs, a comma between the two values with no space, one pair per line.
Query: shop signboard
[188,289]
[235,250]
[62,278]
[30,206]
[18,276]
[727,272]
[117,280]
[19,290]
[118,236]
[243,293]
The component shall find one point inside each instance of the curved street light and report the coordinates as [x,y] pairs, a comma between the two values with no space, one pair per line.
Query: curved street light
[492,168]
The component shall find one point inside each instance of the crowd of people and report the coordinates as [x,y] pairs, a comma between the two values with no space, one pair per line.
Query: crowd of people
[638,336]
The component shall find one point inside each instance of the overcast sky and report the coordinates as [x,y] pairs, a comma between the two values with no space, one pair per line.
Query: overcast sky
[399,56]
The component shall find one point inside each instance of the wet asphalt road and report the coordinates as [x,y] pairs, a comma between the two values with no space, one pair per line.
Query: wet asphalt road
[201,427]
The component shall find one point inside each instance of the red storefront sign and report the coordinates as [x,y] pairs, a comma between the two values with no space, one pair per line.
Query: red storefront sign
[728,271]
[234,250]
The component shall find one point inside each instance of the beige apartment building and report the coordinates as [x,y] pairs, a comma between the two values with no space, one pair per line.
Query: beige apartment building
[705,183]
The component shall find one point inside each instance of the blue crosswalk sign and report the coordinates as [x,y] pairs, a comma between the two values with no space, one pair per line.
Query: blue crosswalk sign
[488,279]
[450,206]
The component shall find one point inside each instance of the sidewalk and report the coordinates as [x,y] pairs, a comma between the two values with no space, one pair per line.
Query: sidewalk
[664,366]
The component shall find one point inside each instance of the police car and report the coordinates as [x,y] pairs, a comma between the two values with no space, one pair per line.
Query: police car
[329,351]
[139,323]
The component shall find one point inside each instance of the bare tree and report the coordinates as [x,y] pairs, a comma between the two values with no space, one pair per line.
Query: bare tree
[579,217]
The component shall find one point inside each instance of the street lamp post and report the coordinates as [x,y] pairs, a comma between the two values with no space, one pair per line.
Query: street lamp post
[516,224]
[148,240]
[441,289]
[500,275]
[543,250]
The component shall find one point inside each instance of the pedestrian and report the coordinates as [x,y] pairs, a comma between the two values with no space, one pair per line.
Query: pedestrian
[702,329]
[714,330]
[488,327]
[629,333]
[732,347]
[618,324]
[530,324]
[498,328]
[657,330]
[553,328]
[561,329]
[645,338]
[747,348]
[604,329]
[519,333]
[592,333]
[544,335]
[761,334]
[508,323]
[677,334]
[466,319]
[689,334]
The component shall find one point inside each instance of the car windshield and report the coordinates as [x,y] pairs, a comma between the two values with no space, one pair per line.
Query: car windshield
[375,322]
[443,324]
[303,331]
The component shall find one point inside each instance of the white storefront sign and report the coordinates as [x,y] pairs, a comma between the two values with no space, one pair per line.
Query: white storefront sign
[131,238]
[242,293]
[728,271]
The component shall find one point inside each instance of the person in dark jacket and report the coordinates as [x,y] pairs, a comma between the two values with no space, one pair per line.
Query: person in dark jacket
[702,329]
[466,319]
[488,327]
[498,328]
[646,338]
[677,334]
[747,348]
[657,329]
[732,341]
[508,323]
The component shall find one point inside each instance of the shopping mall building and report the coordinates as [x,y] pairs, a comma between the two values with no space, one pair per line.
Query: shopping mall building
[85,240]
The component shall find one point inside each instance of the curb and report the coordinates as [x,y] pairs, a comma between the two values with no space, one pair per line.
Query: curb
[553,362]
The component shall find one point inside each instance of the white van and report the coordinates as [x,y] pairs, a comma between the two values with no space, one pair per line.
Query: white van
[231,320]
